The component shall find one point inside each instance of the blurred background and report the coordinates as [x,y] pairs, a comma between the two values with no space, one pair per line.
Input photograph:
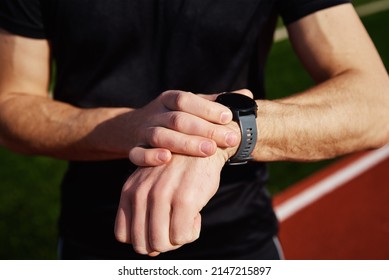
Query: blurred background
[29,186]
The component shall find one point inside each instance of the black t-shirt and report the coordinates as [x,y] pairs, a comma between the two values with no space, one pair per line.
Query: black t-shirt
[124,53]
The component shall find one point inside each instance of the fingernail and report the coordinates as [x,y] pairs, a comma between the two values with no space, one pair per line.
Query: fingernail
[225,117]
[232,139]
[163,157]
[206,148]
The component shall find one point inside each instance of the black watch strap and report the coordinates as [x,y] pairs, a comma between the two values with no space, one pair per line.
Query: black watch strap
[248,126]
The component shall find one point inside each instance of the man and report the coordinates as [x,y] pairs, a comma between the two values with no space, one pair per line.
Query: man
[114,58]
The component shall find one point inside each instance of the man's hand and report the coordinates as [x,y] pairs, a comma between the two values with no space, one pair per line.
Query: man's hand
[160,206]
[196,116]
[182,123]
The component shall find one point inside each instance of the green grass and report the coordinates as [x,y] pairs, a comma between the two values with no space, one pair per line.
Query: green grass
[29,186]
[29,206]
[360,2]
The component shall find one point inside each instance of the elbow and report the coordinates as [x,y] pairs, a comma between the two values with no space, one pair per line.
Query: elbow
[381,125]
[381,137]
[14,146]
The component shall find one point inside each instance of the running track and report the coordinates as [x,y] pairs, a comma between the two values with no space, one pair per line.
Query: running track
[341,212]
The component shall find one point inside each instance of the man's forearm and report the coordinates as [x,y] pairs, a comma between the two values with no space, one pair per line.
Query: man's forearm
[174,122]
[344,114]
[39,125]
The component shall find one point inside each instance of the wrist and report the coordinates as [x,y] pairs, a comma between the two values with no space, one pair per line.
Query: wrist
[244,111]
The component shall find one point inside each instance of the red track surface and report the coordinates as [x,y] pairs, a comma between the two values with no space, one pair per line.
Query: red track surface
[351,222]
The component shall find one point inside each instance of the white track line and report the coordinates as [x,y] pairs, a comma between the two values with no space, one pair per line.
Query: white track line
[334,181]
[362,10]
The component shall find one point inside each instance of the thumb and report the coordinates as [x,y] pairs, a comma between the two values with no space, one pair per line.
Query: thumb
[197,226]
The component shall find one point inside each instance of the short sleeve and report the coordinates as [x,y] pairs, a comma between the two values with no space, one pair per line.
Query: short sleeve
[292,10]
[22,17]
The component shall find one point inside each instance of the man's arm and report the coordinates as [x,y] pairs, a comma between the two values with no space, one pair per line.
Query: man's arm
[348,109]
[32,123]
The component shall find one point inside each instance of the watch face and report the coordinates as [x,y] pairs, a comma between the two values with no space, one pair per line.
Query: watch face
[237,102]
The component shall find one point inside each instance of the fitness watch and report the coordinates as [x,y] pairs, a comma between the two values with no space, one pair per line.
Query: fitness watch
[244,111]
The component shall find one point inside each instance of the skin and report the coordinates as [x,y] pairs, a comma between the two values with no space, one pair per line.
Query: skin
[160,204]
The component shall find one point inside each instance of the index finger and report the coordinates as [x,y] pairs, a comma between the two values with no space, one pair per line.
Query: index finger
[196,105]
